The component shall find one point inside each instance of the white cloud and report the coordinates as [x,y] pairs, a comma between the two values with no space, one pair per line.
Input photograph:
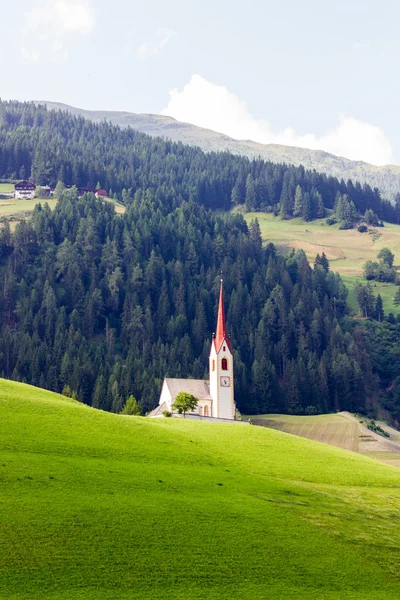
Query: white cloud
[212,106]
[149,49]
[49,24]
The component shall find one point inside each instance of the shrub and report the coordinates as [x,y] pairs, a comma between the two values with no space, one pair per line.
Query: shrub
[346,225]
[167,413]
[362,228]
[331,221]
[372,426]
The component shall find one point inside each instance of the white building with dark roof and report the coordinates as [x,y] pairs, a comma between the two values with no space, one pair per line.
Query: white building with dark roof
[25,190]
[215,397]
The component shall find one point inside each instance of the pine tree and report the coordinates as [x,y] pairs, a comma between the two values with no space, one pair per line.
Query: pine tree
[308,213]
[236,196]
[379,312]
[131,407]
[319,205]
[324,262]
[251,197]
[298,202]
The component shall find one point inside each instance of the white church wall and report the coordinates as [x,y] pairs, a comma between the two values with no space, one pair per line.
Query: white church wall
[166,397]
[214,380]
[226,402]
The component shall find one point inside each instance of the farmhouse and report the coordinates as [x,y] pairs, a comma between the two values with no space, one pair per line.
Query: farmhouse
[25,190]
[216,396]
[101,193]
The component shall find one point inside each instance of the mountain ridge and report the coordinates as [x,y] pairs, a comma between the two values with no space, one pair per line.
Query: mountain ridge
[386,178]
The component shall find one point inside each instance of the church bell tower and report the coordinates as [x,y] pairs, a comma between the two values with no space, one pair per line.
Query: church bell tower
[221,368]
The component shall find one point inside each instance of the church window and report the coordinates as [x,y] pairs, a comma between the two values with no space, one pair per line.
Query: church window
[206,411]
[224,348]
[213,365]
[224,364]
[200,410]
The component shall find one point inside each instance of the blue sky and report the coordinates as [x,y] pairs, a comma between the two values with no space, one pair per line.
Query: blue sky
[314,73]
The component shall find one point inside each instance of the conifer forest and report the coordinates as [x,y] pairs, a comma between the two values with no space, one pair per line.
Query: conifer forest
[108,304]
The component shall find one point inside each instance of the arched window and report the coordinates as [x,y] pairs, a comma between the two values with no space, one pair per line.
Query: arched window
[206,411]
[213,365]
[200,410]
[224,364]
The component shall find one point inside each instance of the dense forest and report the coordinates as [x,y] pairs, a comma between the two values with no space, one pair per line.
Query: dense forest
[108,305]
[49,146]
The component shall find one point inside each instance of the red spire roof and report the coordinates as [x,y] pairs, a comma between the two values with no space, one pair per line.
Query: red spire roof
[220,336]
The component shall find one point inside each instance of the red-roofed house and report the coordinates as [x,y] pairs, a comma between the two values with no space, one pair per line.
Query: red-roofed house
[101,193]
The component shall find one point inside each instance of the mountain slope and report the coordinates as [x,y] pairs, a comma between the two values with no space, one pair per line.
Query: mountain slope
[386,178]
[95,505]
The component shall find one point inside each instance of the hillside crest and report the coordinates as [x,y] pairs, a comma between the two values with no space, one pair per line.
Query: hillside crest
[386,178]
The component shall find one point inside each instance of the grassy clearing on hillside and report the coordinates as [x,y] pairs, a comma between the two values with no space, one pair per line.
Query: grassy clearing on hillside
[386,290]
[335,430]
[13,207]
[95,505]
[120,209]
[341,430]
[347,251]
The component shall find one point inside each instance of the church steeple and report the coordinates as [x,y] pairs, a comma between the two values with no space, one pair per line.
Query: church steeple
[221,368]
[221,324]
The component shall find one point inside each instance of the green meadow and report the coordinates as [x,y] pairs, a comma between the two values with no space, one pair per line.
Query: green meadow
[100,506]
[346,250]
[6,188]
[13,207]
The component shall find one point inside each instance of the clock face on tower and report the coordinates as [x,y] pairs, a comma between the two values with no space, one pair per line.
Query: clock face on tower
[225,381]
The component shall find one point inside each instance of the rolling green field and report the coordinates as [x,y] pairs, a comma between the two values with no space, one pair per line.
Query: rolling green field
[95,505]
[346,250]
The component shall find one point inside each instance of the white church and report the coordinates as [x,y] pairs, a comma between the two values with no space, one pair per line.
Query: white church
[215,397]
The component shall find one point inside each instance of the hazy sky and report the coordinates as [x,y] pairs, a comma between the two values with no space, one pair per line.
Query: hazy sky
[314,73]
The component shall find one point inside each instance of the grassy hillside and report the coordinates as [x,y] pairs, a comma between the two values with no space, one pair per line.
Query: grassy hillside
[386,178]
[95,505]
[347,251]
[333,429]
